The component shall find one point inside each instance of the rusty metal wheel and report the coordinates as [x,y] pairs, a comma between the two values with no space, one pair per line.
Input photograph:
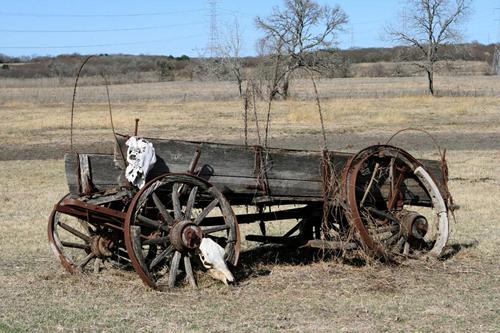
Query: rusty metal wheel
[394,204]
[166,223]
[81,246]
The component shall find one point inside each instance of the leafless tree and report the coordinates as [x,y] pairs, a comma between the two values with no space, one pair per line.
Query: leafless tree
[225,61]
[270,68]
[229,51]
[300,28]
[427,25]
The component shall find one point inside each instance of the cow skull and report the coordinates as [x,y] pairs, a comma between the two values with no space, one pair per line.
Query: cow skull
[212,257]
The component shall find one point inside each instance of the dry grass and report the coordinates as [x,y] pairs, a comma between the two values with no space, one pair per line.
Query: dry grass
[33,124]
[458,294]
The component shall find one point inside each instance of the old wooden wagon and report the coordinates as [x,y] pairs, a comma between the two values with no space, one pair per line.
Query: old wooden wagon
[380,200]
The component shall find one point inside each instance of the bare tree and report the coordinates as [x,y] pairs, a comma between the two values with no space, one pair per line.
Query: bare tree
[223,61]
[301,28]
[431,24]
[270,68]
[229,51]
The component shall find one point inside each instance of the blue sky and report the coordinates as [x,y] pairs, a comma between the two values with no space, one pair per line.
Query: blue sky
[34,27]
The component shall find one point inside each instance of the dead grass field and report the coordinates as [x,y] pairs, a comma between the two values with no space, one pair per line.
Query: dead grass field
[275,293]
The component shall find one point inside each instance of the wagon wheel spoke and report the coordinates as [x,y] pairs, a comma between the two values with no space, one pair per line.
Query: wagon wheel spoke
[395,187]
[206,211]
[75,232]
[161,208]
[76,245]
[86,227]
[189,271]
[370,184]
[391,240]
[174,267]
[391,174]
[384,229]
[406,248]
[398,246]
[153,224]
[97,265]
[157,241]
[176,202]
[160,257]
[85,261]
[190,202]
[215,228]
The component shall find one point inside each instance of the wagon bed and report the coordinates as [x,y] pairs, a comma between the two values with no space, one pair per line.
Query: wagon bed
[244,174]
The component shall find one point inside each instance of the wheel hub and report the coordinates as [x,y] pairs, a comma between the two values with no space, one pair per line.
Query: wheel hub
[185,236]
[101,246]
[413,224]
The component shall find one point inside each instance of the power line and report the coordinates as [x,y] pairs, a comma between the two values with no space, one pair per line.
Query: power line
[102,30]
[100,15]
[97,45]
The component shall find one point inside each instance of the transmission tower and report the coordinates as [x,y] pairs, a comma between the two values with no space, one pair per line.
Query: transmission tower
[495,65]
[497,11]
[213,40]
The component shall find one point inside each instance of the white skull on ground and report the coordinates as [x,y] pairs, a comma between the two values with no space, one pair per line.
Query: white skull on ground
[212,257]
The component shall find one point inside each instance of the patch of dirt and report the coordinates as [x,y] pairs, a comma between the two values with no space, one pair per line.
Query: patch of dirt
[343,142]
[408,141]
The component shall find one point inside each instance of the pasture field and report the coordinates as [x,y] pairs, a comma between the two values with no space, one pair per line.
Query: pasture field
[277,291]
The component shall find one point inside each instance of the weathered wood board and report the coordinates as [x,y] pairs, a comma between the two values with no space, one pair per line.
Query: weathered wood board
[232,168]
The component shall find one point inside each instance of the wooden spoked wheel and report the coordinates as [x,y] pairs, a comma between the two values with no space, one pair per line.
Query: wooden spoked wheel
[166,223]
[394,204]
[82,246]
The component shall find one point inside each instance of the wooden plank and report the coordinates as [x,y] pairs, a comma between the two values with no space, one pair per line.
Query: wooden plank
[249,186]
[85,174]
[71,171]
[301,165]
[104,174]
